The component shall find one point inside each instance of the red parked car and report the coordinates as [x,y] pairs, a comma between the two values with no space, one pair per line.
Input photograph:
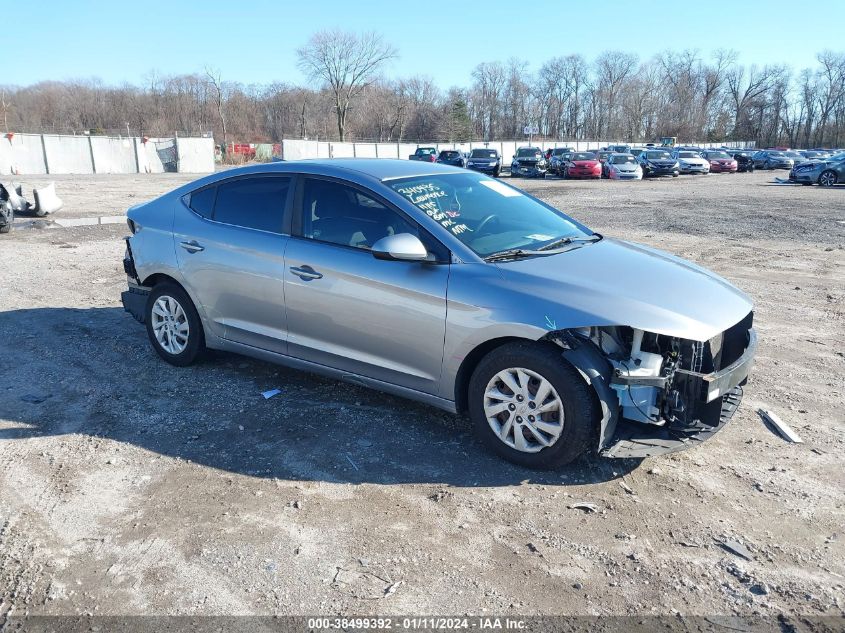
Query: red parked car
[720,161]
[581,165]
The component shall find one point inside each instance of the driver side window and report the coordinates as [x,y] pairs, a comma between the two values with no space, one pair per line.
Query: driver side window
[339,214]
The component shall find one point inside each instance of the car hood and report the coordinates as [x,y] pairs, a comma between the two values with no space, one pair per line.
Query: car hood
[694,161]
[626,166]
[585,163]
[483,160]
[613,282]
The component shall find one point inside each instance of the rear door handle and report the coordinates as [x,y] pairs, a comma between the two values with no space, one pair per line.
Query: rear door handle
[193,246]
[306,273]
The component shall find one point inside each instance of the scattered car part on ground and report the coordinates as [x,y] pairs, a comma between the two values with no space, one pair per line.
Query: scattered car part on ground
[555,334]
[529,162]
[773,421]
[7,213]
[46,200]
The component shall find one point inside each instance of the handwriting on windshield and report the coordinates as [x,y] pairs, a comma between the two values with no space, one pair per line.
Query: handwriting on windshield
[431,199]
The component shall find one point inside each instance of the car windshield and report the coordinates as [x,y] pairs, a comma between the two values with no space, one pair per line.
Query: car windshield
[688,155]
[528,153]
[654,155]
[483,153]
[794,155]
[559,150]
[722,155]
[775,153]
[487,215]
[449,154]
[583,156]
[622,160]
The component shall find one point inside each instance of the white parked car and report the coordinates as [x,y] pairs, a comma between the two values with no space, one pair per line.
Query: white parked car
[691,162]
[623,167]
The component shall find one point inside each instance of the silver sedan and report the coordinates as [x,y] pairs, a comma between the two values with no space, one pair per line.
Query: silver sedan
[451,288]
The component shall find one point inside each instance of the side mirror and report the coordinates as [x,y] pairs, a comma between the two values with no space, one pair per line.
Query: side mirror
[402,246]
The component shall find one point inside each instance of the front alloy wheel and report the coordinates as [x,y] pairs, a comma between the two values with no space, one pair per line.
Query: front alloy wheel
[828,178]
[530,406]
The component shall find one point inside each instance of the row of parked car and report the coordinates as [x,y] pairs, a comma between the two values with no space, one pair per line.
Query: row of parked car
[624,162]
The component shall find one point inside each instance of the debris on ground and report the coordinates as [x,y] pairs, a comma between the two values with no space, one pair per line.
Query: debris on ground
[583,505]
[269,394]
[737,548]
[773,422]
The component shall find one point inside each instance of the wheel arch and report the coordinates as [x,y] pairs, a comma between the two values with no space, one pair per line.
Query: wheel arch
[470,362]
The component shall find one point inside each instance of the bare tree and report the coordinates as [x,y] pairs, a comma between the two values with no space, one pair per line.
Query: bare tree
[348,63]
[216,82]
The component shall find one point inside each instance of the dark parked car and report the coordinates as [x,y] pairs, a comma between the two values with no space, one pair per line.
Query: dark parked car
[557,159]
[658,162]
[529,161]
[424,154]
[452,157]
[744,160]
[772,159]
[7,213]
[487,161]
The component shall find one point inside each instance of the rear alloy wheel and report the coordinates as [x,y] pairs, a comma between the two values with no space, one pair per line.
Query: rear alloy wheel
[531,406]
[173,325]
[828,178]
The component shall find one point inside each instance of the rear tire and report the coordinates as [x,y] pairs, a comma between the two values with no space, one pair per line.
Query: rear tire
[173,325]
[562,432]
[5,228]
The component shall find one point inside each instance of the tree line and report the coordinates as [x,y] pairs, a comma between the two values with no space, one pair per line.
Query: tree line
[616,95]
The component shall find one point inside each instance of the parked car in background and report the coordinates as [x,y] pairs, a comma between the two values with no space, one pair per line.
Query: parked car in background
[452,157]
[555,340]
[636,151]
[487,161]
[691,162]
[720,161]
[581,165]
[623,167]
[658,162]
[529,162]
[603,154]
[826,172]
[557,158]
[772,159]
[425,154]
[744,159]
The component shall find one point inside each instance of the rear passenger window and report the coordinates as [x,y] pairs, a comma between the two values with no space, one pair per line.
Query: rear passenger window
[202,201]
[254,203]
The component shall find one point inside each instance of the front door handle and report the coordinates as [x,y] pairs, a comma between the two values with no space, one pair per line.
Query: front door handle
[193,246]
[306,273]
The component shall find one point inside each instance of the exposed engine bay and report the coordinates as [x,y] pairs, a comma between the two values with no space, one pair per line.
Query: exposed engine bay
[681,388]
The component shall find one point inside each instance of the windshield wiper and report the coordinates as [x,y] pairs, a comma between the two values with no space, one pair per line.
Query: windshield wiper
[569,240]
[511,253]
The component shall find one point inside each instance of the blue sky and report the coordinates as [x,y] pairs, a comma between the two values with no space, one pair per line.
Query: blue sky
[256,41]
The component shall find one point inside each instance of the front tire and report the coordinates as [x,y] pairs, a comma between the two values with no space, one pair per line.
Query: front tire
[828,178]
[173,325]
[530,406]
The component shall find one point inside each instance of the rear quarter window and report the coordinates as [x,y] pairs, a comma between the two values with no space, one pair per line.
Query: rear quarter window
[253,203]
[202,201]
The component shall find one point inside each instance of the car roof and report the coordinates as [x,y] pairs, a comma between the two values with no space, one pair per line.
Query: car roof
[355,169]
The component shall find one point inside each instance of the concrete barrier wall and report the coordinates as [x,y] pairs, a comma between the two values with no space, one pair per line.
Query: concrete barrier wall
[68,154]
[196,155]
[29,154]
[22,154]
[113,155]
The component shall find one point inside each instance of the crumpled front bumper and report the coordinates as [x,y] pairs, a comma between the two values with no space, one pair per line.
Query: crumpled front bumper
[634,440]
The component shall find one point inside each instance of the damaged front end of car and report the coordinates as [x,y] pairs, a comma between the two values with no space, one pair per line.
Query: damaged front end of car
[660,394]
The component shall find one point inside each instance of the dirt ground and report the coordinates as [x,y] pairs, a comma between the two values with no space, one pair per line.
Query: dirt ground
[128,486]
